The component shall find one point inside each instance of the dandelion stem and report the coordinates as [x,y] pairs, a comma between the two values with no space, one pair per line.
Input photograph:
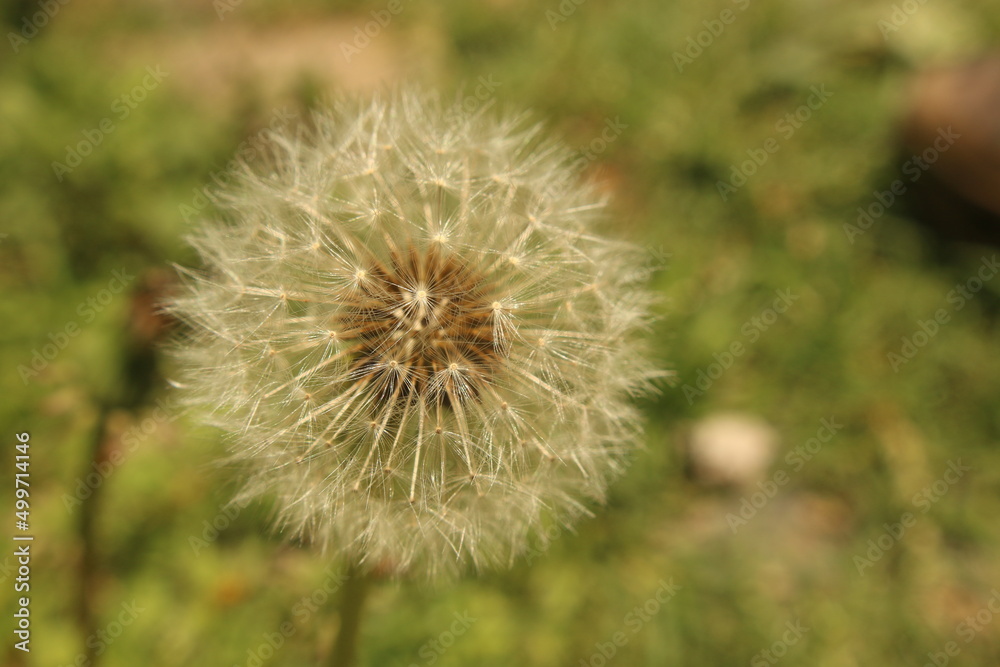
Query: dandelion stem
[352,602]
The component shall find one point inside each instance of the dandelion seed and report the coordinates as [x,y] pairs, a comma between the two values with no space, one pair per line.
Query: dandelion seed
[449,351]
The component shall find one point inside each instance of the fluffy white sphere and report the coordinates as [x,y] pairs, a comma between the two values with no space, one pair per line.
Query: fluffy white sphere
[415,340]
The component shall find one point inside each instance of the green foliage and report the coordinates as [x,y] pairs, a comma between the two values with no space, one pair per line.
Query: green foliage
[827,356]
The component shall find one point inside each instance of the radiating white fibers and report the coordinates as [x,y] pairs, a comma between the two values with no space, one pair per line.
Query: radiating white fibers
[413,337]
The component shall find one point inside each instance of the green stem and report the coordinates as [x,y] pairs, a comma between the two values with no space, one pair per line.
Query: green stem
[352,602]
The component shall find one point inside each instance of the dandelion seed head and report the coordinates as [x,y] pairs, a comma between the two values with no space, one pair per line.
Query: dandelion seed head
[416,342]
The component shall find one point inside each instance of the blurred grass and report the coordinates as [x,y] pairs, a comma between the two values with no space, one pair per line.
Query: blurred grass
[121,208]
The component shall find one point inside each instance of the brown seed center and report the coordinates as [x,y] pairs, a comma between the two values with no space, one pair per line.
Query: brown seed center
[424,324]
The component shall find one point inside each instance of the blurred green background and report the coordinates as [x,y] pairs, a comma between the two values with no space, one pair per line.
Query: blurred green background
[186,86]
